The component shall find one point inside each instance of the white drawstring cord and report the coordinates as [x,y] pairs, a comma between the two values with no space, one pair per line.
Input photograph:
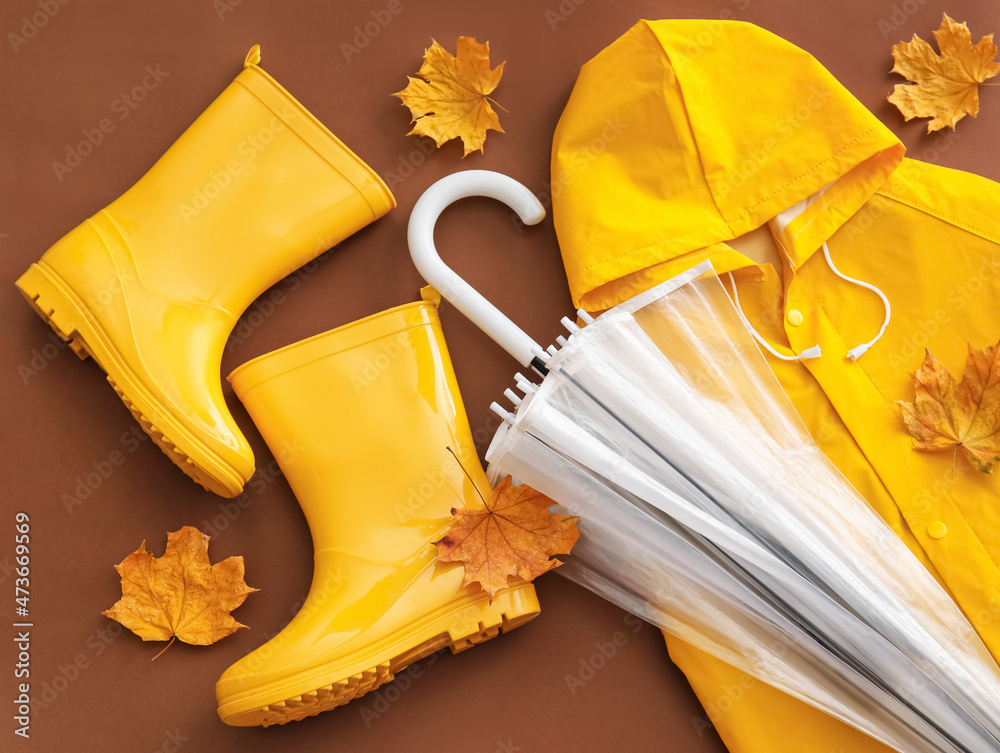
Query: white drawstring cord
[813,352]
[860,350]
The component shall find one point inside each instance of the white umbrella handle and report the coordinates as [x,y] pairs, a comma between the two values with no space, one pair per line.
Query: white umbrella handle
[420,237]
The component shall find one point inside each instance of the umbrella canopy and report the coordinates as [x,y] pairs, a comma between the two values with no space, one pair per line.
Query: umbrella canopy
[707,509]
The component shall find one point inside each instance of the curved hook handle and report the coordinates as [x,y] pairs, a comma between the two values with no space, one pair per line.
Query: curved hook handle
[420,237]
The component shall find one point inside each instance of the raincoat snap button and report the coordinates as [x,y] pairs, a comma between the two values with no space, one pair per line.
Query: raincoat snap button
[937,530]
[794,317]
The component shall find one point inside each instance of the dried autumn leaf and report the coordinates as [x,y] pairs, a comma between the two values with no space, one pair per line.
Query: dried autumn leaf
[180,594]
[514,535]
[451,99]
[946,86]
[966,414]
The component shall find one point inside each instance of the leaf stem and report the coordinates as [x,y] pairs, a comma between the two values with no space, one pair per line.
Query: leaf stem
[474,485]
[172,639]
[494,102]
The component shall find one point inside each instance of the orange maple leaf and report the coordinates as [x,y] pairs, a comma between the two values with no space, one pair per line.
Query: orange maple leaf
[966,414]
[946,86]
[181,594]
[513,535]
[451,99]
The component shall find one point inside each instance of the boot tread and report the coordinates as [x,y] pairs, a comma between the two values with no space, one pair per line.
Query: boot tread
[54,302]
[340,692]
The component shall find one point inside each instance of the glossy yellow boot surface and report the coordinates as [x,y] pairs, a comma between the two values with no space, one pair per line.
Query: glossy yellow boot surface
[152,285]
[368,426]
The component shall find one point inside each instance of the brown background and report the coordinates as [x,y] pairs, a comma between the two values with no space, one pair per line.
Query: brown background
[61,420]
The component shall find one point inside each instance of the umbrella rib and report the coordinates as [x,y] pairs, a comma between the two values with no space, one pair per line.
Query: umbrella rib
[770,546]
[842,654]
[782,554]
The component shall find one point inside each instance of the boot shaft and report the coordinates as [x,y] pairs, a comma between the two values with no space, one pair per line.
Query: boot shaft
[368,426]
[252,190]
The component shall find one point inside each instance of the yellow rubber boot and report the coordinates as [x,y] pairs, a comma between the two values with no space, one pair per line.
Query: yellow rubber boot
[152,285]
[361,420]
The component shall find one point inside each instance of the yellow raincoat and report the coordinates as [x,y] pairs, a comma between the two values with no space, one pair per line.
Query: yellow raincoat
[686,140]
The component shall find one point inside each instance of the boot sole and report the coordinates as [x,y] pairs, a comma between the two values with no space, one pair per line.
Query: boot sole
[472,621]
[70,318]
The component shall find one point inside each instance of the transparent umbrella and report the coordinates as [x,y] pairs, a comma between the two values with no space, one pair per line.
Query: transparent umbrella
[707,509]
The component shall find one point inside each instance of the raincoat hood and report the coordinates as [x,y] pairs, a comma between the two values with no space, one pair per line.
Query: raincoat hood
[685,134]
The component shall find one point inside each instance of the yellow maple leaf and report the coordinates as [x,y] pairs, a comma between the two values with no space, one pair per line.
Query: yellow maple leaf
[948,414]
[451,99]
[181,594]
[513,535]
[946,86]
